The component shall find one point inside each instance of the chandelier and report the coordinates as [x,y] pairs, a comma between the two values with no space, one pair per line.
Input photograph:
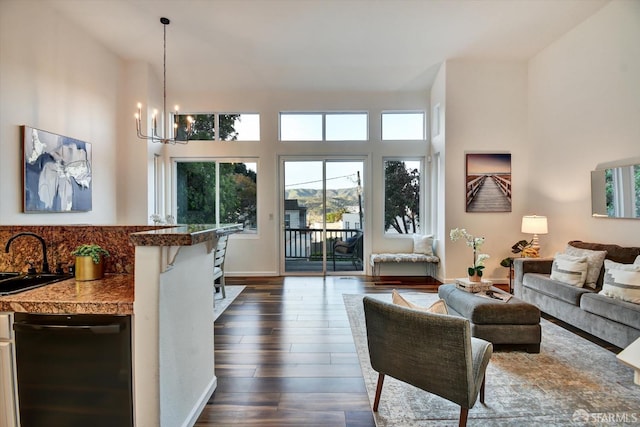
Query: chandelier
[164,138]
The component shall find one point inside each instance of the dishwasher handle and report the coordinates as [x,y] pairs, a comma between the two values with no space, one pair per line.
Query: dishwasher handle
[113,328]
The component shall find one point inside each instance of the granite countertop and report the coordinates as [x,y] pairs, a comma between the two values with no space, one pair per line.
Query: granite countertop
[113,294]
[182,235]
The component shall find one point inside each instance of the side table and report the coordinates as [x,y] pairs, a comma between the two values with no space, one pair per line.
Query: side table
[630,356]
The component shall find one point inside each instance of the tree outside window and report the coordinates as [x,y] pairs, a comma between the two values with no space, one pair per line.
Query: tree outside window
[210,192]
[229,127]
[402,196]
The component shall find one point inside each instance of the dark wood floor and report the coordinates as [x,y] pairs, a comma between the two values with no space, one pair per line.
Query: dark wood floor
[284,353]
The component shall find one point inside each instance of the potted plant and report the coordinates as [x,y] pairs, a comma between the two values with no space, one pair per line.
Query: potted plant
[522,247]
[475,271]
[89,262]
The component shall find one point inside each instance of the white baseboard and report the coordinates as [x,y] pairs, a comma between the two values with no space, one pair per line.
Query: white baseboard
[194,414]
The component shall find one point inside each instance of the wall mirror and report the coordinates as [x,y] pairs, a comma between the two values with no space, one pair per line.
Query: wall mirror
[615,190]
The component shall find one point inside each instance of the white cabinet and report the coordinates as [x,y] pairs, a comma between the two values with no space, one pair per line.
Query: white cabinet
[8,409]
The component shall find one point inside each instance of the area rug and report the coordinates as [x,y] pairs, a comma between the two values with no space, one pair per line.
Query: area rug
[220,304]
[572,381]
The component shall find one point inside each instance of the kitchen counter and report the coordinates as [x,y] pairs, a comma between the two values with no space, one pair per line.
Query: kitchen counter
[170,299]
[183,235]
[173,324]
[114,294]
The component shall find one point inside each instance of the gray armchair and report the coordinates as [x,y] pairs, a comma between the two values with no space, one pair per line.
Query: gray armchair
[433,352]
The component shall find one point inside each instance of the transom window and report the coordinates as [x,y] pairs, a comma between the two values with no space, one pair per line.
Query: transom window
[220,126]
[324,126]
[403,125]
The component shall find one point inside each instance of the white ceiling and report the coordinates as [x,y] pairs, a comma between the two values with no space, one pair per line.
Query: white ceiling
[326,45]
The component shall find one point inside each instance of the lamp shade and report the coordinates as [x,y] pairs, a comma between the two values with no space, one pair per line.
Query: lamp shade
[534,224]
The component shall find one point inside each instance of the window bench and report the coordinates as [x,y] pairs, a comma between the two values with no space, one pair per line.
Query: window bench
[430,260]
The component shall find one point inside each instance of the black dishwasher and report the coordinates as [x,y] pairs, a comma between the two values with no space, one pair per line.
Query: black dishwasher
[74,370]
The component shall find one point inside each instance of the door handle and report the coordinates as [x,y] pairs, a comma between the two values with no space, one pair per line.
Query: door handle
[114,328]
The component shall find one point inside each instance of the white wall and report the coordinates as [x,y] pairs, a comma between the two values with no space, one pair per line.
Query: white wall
[573,106]
[486,111]
[55,78]
[438,170]
[584,103]
[134,170]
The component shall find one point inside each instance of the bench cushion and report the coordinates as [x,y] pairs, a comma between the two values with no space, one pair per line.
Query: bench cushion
[402,257]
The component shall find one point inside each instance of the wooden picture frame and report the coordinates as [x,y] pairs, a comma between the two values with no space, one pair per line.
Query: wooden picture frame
[488,182]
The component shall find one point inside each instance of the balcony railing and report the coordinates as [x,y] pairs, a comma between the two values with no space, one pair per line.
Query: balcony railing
[307,242]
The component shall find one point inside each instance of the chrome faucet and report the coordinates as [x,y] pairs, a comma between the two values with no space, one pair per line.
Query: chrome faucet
[45,263]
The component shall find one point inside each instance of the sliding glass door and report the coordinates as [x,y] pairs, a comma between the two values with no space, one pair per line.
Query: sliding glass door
[322,216]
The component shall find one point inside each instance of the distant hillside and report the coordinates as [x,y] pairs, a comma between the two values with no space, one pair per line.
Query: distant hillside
[312,200]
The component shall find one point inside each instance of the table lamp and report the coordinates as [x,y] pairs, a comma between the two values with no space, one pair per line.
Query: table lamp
[534,224]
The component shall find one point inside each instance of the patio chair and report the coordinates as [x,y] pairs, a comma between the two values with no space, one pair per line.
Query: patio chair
[350,249]
[434,352]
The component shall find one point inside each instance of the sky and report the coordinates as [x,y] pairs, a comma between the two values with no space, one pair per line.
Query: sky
[308,174]
[478,164]
[340,127]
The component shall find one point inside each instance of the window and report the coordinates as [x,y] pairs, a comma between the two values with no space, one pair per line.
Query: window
[217,192]
[402,126]
[322,126]
[220,126]
[402,182]
[239,127]
[300,127]
[346,126]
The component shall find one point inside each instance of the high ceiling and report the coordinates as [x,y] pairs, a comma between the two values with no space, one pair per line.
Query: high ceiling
[321,45]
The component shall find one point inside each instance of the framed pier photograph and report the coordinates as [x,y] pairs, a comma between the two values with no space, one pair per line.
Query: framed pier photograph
[488,182]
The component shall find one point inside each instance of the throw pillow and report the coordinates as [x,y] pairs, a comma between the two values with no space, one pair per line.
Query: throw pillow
[568,269]
[637,261]
[422,244]
[621,281]
[438,307]
[595,259]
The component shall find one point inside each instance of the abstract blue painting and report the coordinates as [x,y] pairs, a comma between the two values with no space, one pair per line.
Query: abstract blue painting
[57,172]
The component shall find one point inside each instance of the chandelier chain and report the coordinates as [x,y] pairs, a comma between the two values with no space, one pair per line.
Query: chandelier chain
[164,138]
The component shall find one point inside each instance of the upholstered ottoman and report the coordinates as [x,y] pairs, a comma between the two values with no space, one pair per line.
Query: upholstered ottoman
[513,322]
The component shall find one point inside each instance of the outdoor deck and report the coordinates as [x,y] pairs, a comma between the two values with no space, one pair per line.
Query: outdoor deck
[304,251]
[298,265]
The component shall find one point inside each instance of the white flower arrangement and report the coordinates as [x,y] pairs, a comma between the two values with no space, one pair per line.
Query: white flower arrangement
[158,220]
[475,243]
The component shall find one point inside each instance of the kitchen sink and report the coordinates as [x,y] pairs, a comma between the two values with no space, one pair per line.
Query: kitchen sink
[12,283]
